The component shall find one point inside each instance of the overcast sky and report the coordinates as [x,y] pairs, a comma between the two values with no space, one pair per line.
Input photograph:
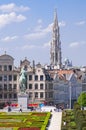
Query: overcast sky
[26,29]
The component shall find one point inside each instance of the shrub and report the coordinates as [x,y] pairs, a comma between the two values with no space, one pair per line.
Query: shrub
[84,128]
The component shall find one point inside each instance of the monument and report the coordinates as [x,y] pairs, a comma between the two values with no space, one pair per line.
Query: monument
[22,96]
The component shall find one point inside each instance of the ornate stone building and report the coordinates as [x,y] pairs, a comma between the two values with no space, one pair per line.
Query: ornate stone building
[39,86]
[8,79]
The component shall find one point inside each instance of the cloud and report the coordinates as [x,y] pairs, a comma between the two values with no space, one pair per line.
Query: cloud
[46,44]
[39,32]
[39,21]
[27,47]
[62,24]
[4,49]
[8,38]
[13,8]
[6,19]
[77,44]
[74,44]
[80,23]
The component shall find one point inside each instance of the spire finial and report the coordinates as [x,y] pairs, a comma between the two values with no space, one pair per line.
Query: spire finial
[5,52]
[55,14]
[25,58]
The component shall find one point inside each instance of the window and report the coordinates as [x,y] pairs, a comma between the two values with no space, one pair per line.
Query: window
[5,87]
[5,77]
[50,95]
[15,77]
[46,86]
[30,86]
[41,77]
[30,94]
[0,95]
[25,67]
[0,67]
[30,77]
[10,87]
[10,67]
[0,86]
[41,94]
[36,95]
[10,77]
[5,95]
[5,67]
[15,86]
[15,95]
[36,86]
[41,86]
[36,77]
[50,86]
[46,95]
[10,95]
[0,77]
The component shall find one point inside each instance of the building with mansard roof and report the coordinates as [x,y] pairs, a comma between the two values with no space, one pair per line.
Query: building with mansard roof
[8,79]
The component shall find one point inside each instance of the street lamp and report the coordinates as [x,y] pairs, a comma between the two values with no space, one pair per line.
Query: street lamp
[70,93]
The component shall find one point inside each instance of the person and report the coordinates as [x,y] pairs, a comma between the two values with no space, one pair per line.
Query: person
[9,109]
[20,109]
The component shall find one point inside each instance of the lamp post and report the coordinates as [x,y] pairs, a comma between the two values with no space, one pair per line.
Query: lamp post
[70,93]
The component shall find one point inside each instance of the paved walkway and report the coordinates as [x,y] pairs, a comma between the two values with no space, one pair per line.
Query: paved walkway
[55,123]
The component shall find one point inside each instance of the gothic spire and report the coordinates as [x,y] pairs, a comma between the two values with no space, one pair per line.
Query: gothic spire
[55,51]
[55,25]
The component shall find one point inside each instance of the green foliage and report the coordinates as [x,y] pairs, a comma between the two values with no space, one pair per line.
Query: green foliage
[76,106]
[82,99]
[75,119]
[73,125]
[84,128]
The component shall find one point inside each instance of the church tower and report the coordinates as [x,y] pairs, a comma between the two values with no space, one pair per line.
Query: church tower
[55,51]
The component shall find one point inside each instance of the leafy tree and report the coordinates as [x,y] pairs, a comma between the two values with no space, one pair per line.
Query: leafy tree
[82,99]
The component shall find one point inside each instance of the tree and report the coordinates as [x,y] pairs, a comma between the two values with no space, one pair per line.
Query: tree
[82,99]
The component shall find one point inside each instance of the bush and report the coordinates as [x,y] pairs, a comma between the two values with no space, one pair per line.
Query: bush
[64,128]
[73,125]
[83,124]
[84,128]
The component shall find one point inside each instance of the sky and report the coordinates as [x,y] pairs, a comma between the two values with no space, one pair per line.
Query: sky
[26,29]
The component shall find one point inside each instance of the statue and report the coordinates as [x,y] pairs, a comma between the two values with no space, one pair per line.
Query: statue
[22,80]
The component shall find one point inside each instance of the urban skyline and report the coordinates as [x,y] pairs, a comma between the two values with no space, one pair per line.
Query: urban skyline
[26,29]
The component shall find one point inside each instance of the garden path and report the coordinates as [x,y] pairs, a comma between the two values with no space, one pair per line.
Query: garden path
[55,123]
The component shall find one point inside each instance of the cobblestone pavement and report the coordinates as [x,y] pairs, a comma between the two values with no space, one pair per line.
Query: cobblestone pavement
[55,123]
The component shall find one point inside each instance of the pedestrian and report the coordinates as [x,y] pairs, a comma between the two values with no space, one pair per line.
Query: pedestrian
[20,108]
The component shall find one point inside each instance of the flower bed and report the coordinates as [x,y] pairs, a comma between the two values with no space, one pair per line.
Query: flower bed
[27,121]
[33,128]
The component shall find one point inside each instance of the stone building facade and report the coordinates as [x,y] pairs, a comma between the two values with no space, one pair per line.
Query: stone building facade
[39,86]
[8,79]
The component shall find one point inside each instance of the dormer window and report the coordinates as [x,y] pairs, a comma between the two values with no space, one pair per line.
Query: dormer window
[0,67]
[41,77]
[10,67]
[36,77]
[5,67]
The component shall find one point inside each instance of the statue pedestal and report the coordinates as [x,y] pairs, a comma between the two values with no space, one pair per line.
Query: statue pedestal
[23,100]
